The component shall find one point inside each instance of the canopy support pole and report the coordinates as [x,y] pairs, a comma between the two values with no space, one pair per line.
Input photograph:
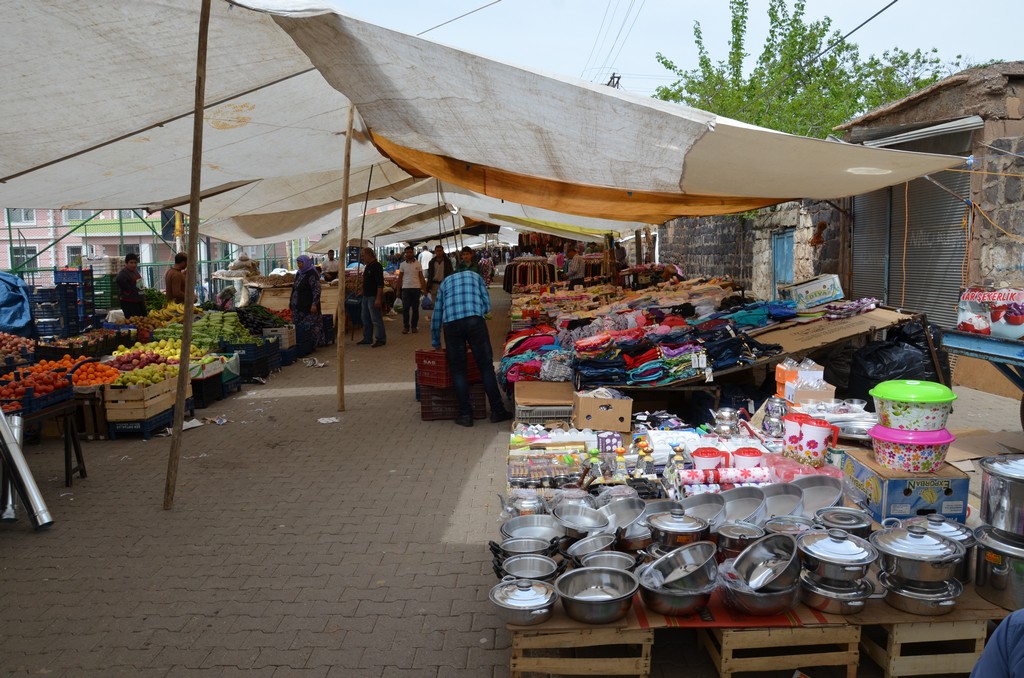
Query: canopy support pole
[339,334]
[193,247]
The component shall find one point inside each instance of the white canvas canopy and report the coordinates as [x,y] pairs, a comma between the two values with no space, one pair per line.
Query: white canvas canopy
[102,119]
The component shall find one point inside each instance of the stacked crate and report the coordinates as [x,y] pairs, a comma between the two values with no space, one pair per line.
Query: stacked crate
[434,387]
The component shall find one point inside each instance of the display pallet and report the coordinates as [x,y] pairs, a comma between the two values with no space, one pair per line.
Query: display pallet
[925,648]
[775,649]
[529,648]
[440,403]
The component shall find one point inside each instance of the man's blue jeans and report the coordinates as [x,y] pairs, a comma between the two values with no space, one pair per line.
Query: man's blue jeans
[458,334]
[373,320]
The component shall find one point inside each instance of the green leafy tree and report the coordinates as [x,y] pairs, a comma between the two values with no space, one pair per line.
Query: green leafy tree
[807,80]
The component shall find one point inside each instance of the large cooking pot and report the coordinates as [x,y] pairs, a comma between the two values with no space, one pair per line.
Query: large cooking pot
[914,598]
[541,526]
[835,556]
[1002,493]
[597,595]
[524,601]
[913,554]
[676,528]
[706,506]
[734,537]
[517,546]
[853,521]
[831,599]
[999,576]
[947,528]
[529,566]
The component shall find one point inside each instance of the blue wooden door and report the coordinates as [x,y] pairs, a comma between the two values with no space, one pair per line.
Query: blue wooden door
[782,260]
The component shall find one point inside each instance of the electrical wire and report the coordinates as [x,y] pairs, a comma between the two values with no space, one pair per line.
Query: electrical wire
[473,11]
[597,37]
[626,38]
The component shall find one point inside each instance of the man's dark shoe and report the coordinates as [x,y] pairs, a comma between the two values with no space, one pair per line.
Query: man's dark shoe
[377,344]
[464,420]
[504,415]
[363,343]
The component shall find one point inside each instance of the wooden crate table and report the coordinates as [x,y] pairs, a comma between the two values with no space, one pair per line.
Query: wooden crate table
[139,403]
[913,645]
[773,649]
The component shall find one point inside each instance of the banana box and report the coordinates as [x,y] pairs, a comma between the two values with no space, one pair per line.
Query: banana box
[888,493]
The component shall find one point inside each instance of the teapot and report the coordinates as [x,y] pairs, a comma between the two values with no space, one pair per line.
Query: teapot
[727,422]
[523,503]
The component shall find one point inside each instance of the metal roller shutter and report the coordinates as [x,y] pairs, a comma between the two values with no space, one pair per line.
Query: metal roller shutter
[869,245]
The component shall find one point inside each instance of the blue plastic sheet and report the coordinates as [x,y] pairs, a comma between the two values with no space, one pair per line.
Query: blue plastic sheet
[15,312]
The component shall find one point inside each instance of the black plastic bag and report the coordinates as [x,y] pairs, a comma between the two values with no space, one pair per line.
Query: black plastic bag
[883,361]
[912,333]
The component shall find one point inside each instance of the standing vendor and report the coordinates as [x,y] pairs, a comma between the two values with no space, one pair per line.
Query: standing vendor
[410,284]
[305,300]
[174,279]
[129,285]
[373,301]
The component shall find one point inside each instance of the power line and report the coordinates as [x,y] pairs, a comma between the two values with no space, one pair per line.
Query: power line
[459,17]
[596,38]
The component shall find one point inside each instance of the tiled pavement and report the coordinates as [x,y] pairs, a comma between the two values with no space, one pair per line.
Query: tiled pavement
[295,548]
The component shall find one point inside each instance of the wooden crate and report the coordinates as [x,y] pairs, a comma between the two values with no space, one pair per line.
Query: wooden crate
[90,415]
[925,648]
[135,403]
[528,647]
[774,649]
[285,335]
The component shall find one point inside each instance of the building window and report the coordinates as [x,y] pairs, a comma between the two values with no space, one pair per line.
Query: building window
[128,214]
[76,215]
[22,217]
[74,254]
[20,255]
[130,248]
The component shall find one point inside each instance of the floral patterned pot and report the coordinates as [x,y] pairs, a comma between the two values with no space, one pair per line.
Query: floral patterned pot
[915,451]
[912,405]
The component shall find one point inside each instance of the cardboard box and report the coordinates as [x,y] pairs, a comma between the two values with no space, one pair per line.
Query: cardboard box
[813,292]
[784,376]
[602,414]
[887,493]
[999,313]
[544,393]
[801,396]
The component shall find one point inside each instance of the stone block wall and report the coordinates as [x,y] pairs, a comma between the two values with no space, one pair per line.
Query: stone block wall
[998,255]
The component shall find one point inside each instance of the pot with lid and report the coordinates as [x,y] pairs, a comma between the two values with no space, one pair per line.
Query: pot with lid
[854,521]
[835,557]
[915,598]
[676,528]
[1002,493]
[947,528]
[524,601]
[999,577]
[833,599]
[734,537]
[792,525]
[913,554]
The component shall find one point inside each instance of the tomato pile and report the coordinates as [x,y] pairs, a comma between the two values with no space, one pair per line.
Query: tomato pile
[36,384]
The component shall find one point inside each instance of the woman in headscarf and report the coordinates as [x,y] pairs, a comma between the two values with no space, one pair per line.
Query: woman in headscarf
[305,300]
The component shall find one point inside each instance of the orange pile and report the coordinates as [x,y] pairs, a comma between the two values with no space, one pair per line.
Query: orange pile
[43,366]
[94,374]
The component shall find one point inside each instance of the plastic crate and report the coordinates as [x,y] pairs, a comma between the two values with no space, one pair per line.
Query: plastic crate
[30,402]
[329,331]
[249,352]
[440,403]
[432,369]
[233,385]
[207,391]
[255,369]
[538,414]
[289,356]
[74,276]
[147,427]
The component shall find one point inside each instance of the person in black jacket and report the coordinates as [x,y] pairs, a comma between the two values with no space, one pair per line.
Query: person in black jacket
[440,268]
[133,303]
[373,301]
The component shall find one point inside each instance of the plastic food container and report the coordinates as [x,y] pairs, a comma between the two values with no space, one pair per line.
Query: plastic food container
[915,451]
[913,405]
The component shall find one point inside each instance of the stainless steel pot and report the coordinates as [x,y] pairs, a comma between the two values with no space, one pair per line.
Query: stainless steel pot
[793,525]
[529,566]
[853,521]
[674,603]
[1002,493]
[522,545]
[950,529]
[999,575]
[832,599]
[613,559]
[636,537]
[578,521]
[734,537]
[676,528]
[760,603]
[688,568]
[598,542]
[913,554]
[541,526]
[744,504]
[782,499]
[523,601]
[597,595]
[836,556]
[707,506]
[924,600]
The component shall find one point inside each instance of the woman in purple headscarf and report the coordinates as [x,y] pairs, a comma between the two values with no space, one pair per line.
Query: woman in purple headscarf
[305,300]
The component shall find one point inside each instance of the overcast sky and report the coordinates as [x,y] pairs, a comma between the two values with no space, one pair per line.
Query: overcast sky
[592,39]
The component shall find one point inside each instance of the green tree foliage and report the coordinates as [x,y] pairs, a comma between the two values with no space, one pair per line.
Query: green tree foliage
[807,80]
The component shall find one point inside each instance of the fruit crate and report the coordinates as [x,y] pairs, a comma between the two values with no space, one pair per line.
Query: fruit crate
[440,403]
[147,427]
[74,276]
[285,335]
[250,352]
[31,403]
[432,369]
[255,369]
[303,341]
[138,403]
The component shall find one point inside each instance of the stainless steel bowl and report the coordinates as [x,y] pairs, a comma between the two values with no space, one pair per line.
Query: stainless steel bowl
[758,603]
[622,513]
[674,603]
[578,521]
[782,499]
[529,566]
[707,506]
[597,595]
[541,526]
[744,504]
[615,560]
[769,564]
[689,568]
[819,491]
[598,542]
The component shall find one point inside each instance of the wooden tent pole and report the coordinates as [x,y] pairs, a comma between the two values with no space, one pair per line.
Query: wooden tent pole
[193,248]
[339,335]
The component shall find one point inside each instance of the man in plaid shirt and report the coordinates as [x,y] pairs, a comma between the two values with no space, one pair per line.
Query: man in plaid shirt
[461,304]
